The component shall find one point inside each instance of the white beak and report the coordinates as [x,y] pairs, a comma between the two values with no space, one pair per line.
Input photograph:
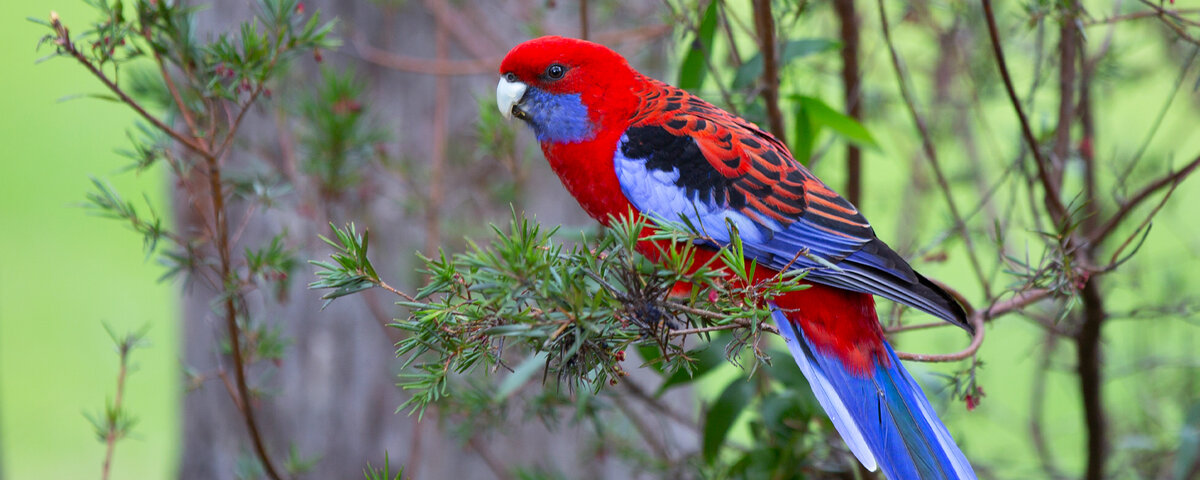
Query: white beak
[507,95]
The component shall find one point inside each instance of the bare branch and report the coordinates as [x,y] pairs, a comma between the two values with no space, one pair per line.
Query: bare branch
[852,89]
[764,23]
[931,154]
[441,66]
[1053,199]
[1124,210]
[978,318]
[63,41]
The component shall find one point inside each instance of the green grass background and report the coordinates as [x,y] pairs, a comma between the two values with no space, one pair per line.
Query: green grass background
[63,272]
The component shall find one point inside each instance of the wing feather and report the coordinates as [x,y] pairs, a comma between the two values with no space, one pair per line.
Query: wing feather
[685,157]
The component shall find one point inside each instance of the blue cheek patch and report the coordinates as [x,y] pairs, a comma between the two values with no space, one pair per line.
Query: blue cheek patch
[557,118]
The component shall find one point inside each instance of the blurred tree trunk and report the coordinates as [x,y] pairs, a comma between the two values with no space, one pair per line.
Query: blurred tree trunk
[333,395]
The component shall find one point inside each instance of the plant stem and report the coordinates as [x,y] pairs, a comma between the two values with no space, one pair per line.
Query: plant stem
[217,194]
[1090,380]
[931,154]
[764,22]
[1053,196]
[110,439]
[852,88]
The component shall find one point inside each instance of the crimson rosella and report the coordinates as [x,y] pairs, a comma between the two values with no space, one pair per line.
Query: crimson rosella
[625,143]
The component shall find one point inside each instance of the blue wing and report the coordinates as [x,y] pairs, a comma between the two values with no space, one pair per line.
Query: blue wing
[694,161]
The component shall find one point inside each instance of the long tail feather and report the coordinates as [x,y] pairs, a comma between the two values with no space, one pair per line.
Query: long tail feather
[882,415]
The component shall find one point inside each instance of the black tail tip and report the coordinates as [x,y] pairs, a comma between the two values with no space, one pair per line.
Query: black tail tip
[952,304]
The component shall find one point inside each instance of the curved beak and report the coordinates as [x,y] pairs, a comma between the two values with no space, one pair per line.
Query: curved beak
[508,98]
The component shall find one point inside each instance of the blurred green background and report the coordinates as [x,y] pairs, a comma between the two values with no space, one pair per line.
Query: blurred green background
[63,273]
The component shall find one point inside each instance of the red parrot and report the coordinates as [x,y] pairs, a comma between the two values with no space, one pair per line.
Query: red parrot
[623,142]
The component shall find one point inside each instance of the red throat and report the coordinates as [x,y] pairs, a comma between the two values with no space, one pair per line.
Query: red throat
[586,170]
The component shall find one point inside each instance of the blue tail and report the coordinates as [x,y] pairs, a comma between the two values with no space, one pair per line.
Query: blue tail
[884,417]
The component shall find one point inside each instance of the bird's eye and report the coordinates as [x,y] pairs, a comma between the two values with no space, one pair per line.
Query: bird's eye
[555,71]
[511,77]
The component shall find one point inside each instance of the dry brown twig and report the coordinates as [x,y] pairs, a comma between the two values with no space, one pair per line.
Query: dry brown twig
[216,192]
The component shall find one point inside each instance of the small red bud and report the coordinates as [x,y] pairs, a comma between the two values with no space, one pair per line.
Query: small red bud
[620,355]
[712,296]
[317,55]
[300,7]
[1085,148]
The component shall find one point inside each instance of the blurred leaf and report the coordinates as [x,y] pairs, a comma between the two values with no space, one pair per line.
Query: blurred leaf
[794,49]
[783,369]
[1187,459]
[515,330]
[804,136]
[707,360]
[695,64]
[724,412]
[370,473]
[821,115]
[532,365]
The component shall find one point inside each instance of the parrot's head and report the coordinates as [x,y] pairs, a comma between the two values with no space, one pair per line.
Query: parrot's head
[566,89]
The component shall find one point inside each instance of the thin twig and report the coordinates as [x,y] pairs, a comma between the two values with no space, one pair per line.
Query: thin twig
[583,19]
[382,284]
[852,90]
[637,392]
[1139,197]
[1139,15]
[1053,199]
[440,120]
[1116,255]
[649,435]
[1067,48]
[635,35]
[112,435]
[381,316]
[976,341]
[440,67]
[1158,119]
[931,154]
[494,464]
[465,32]
[179,104]
[977,319]
[239,368]
[716,328]
[63,40]
[220,224]
[1037,401]
[764,23]
[916,326]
